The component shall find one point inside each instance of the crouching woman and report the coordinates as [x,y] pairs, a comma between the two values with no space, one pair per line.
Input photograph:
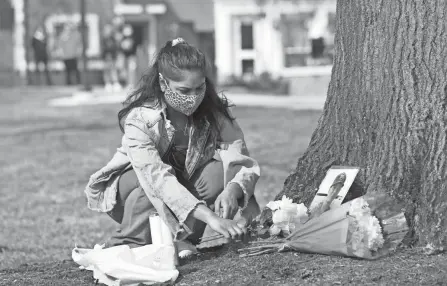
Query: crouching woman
[183,156]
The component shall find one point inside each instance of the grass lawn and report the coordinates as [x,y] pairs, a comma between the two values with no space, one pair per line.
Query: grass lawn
[48,154]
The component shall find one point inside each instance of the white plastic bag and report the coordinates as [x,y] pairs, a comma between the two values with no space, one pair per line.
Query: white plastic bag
[121,265]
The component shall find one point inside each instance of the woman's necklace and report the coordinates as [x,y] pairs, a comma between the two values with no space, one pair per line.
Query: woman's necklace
[185,129]
[177,117]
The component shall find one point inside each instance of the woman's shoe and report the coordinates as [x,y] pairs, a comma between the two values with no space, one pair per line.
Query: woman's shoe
[185,249]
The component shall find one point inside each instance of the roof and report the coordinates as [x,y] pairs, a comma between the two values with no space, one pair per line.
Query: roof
[200,12]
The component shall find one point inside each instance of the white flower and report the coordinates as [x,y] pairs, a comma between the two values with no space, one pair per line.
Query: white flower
[275,230]
[359,207]
[286,214]
[366,230]
[280,216]
[273,205]
[284,203]
[375,236]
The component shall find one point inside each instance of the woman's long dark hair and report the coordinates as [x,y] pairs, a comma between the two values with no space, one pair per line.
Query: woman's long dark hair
[170,62]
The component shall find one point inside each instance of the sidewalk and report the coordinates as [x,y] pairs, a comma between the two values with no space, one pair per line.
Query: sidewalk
[301,102]
[99,96]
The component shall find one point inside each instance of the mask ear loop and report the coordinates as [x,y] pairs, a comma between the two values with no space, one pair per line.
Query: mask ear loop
[163,80]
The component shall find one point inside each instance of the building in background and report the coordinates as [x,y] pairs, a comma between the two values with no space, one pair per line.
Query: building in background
[199,16]
[283,38]
[157,21]
[154,22]
[7,43]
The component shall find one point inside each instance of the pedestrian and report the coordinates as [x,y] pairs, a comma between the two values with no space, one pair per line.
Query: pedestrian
[109,55]
[129,50]
[39,44]
[69,47]
[183,155]
[118,25]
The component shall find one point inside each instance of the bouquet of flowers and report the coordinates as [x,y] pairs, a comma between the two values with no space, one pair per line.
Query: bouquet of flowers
[348,230]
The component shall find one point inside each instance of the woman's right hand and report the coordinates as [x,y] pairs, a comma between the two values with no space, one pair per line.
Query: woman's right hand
[228,228]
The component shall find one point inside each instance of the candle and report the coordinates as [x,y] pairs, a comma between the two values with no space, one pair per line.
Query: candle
[156,233]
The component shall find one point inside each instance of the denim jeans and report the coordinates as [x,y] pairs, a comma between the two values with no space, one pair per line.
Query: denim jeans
[133,208]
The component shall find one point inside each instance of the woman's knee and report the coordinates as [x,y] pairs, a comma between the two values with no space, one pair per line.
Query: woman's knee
[209,181]
[136,202]
[128,182]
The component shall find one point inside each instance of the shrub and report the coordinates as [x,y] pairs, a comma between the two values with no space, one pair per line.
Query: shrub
[262,83]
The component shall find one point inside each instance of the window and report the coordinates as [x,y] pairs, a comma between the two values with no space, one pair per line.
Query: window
[247,36]
[296,43]
[248,66]
[299,49]
[6,16]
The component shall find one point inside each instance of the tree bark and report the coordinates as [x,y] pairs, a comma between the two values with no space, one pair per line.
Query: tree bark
[386,110]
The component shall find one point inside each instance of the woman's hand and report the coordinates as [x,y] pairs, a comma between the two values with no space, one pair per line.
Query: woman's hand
[228,228]
[226,204]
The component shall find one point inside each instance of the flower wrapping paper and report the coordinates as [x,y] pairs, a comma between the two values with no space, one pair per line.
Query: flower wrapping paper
[349,230]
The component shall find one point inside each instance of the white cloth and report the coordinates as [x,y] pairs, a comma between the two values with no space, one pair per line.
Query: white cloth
[121,265]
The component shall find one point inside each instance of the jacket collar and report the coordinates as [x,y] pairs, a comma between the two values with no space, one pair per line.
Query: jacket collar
[156,105]
[200,130]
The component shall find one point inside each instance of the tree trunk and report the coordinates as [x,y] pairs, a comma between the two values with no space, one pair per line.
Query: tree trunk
[386,110]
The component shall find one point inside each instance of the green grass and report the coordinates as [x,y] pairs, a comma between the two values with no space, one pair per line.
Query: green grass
[48,154]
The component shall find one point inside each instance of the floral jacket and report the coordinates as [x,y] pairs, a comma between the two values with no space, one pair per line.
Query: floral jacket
[148,135]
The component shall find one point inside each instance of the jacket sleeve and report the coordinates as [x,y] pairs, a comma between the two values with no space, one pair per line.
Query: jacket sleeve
[239,167]
[156,178]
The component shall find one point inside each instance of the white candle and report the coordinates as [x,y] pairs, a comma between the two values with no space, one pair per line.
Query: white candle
[156,232]
[166,234]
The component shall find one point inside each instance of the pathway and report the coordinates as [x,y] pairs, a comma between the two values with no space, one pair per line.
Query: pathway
[99,96]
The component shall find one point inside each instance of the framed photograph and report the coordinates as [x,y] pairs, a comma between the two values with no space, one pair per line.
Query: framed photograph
[332,173]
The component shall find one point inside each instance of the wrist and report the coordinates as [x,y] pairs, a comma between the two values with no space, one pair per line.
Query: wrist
[235,189]
[203,213]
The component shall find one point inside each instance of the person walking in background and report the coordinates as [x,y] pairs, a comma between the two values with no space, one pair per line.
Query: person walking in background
[129,49]
[69,48]
[39,44]
[118,25]
[109,55]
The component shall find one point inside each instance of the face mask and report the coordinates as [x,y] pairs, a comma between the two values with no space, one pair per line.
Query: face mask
[183,103]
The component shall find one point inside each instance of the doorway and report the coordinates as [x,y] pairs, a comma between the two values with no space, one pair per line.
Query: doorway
[138,33]
[244,48]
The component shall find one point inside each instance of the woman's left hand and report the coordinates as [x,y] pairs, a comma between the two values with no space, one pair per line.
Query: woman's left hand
[226,204]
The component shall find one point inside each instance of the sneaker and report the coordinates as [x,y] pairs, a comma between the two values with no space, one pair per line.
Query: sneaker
[185,249]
